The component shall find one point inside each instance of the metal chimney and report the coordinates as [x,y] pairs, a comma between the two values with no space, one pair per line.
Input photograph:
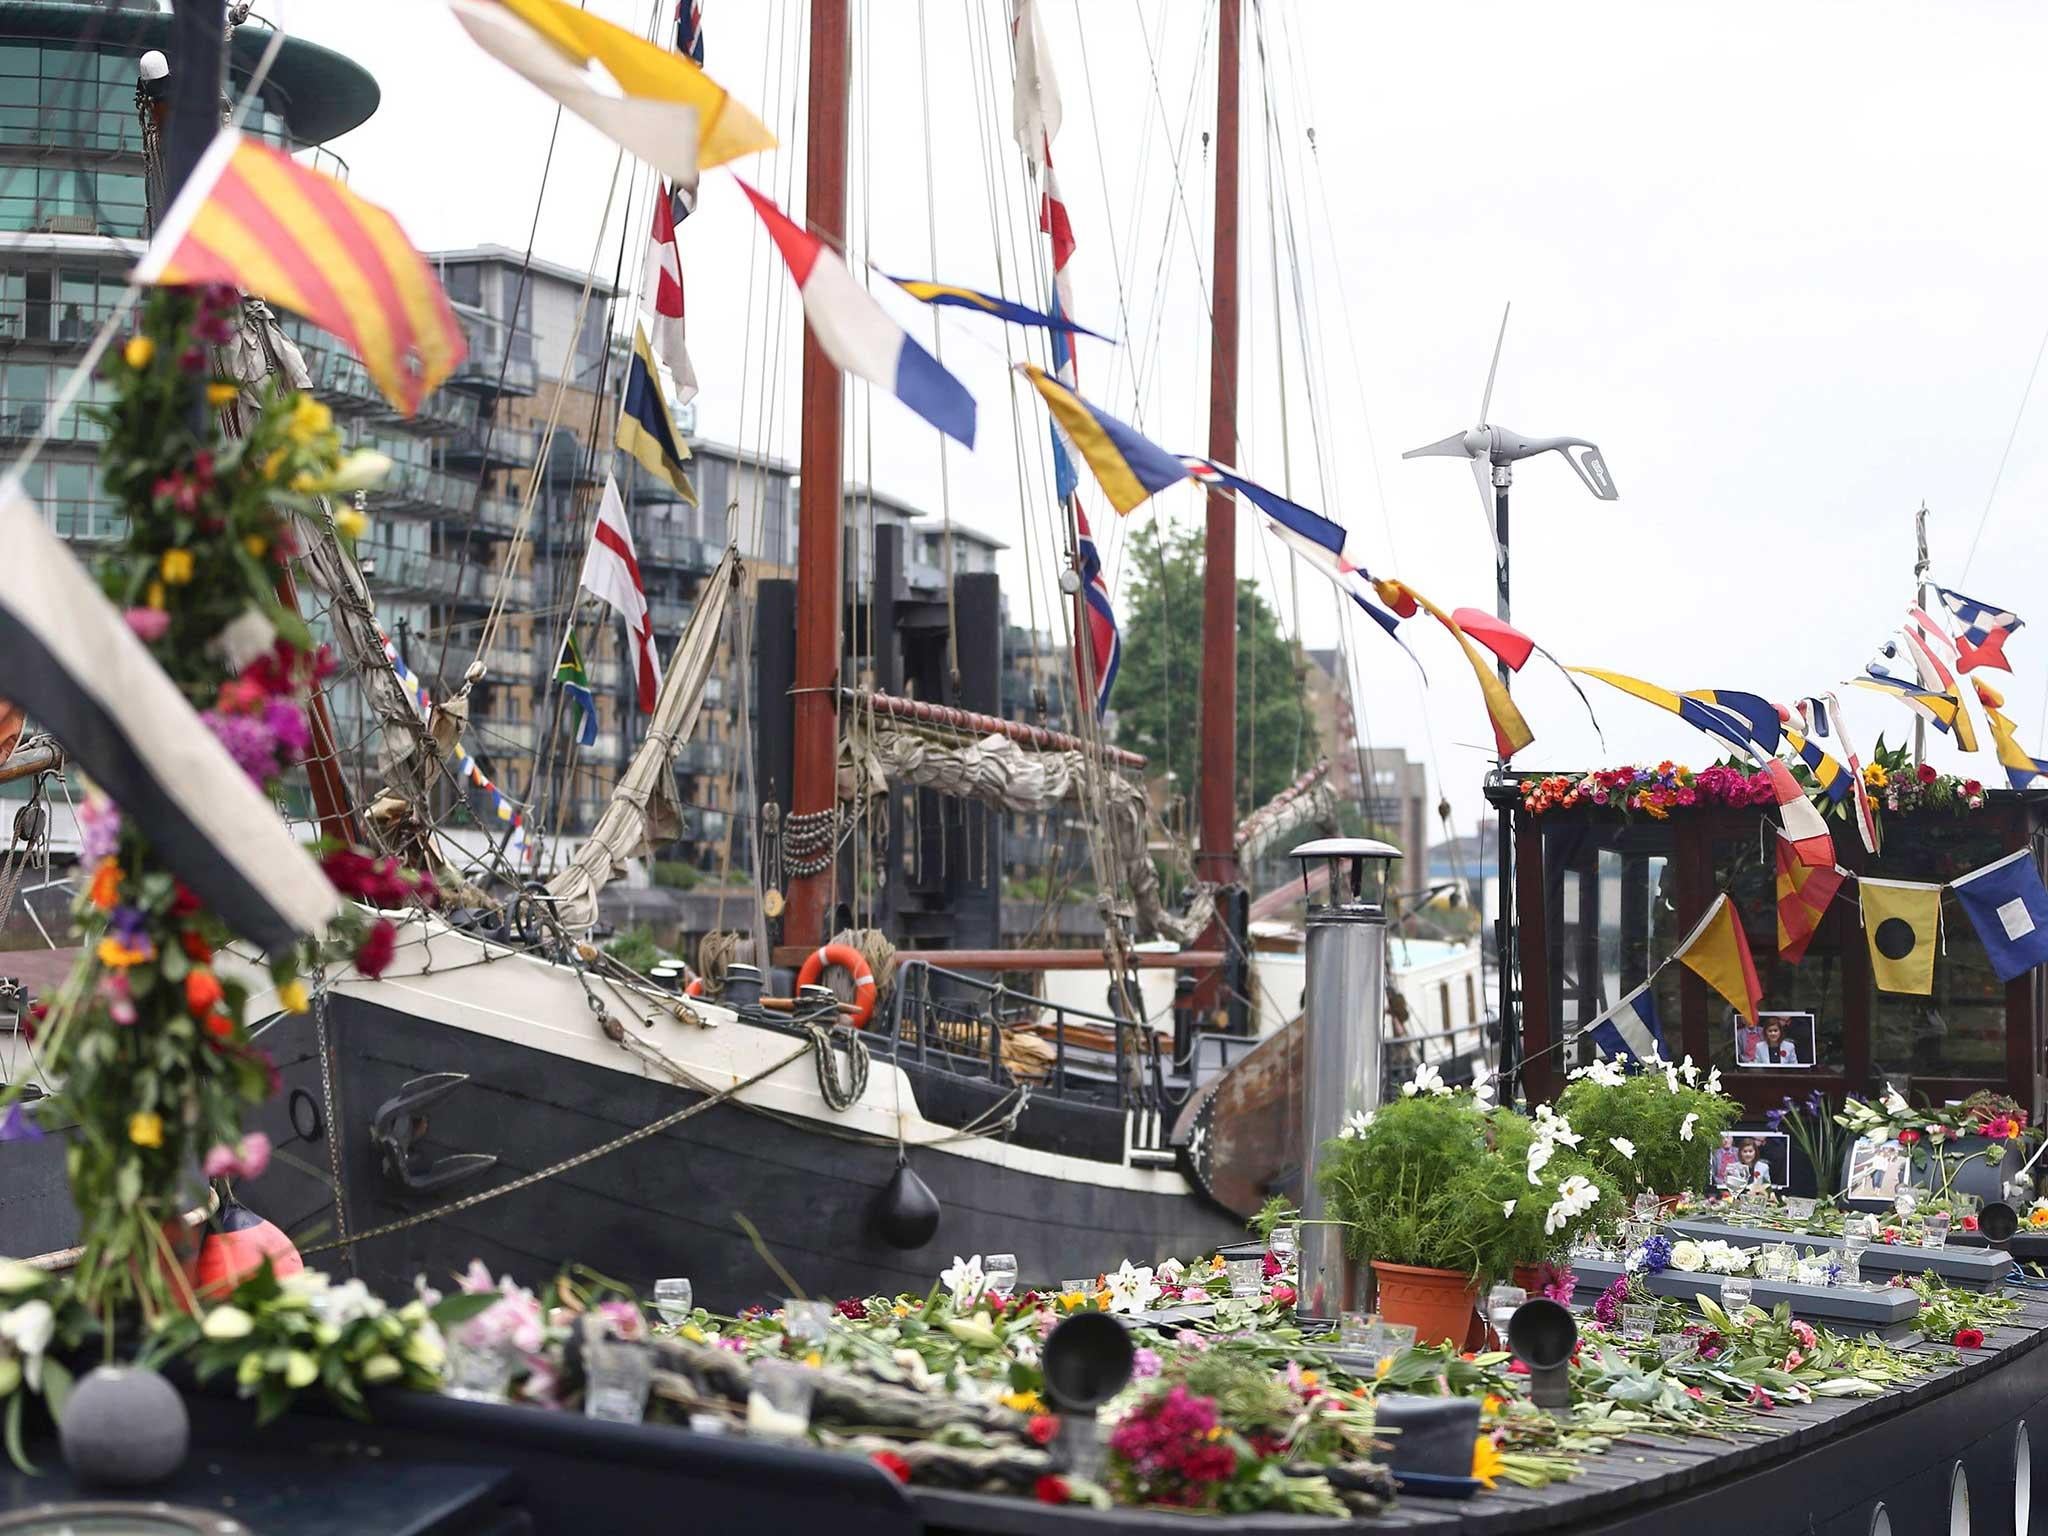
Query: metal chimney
[1342,1016]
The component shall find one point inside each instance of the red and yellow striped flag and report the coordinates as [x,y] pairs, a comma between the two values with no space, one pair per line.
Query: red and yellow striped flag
[253,218]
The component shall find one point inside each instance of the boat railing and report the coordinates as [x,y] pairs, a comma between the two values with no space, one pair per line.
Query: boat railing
[958,1021]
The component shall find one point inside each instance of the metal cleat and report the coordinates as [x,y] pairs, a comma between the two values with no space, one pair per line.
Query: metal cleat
[400,1126]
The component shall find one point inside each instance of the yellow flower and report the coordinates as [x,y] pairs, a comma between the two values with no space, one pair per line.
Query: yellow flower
[1102,1298]
[1493,1402]
[1486,1462]
[1071,1299]
[138,352]
[309,419]
[146,1128]
[1216,1263]
[1023,1402]
[176,567]
[115,955]
[257,545]
[1309,1378]
[155,596]
[291,997]
[901,1309]
[1874,775]
[350,523]
[219,394]
[274,461]
[692,1332]
[814,1359]
[303,482]
[1386,1364]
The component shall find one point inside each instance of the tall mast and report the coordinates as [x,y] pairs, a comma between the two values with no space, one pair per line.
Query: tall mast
[1217,859]
[819,595]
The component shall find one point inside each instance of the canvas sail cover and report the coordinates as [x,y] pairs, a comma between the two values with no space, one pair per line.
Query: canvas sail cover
[644,813]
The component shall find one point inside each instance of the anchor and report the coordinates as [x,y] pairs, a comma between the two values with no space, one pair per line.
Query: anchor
[401,1124]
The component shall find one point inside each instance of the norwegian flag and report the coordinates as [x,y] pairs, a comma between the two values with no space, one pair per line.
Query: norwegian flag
[662,297]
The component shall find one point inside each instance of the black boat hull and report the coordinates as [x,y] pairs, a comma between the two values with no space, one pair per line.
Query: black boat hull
[672,1204]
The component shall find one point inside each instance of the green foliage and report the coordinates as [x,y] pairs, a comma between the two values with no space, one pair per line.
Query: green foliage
[677,875]
[1430,1180]
[1158,689]
[1277,1211]
[1648,1109]
[635,949]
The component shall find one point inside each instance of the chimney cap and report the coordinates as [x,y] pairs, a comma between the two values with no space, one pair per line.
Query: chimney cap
[1346,848]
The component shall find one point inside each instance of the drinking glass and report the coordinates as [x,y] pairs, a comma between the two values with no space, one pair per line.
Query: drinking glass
[1854,1240]
[1385,1340]
[807,1320]
[1937,1223]
[1247,1276]
[1799,1207]
[1811,1272]
[617,1376]
[779,1400]
[1285,1243]
[1351,1328]
[1776,1261]
[1639,1320]
[1646,1206]
[674,1300]
[1000,1270]
[1735,1293]
[479,1371]
[1501,1303]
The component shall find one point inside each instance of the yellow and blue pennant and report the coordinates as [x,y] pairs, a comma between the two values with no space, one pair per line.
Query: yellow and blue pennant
[950,296]
[1130,467]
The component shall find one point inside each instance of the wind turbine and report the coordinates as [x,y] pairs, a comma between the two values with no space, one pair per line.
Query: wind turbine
[1492,453]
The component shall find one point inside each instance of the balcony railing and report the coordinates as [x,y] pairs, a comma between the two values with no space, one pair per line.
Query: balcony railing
[665,546]
[486,360]
[409,572]
[499,733]
[506,445]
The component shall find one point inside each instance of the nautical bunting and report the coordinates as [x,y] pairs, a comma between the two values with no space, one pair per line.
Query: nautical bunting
[1511,732]
[662,299]
[612,571]
[74,664]
[656,103]
[857,333]
[949,296]
[253,218]
[1514,650]
[647,422]
[1804,892]
[1105,641]
[1827,718]
[1761,717]
[1130,467]
[2008,906]
[2021,768]
[1706,717]
[1804,829]
[1943,711]
[1902,921]
[689,43]
[1630,1029]
[1717,952]
[1985,630]
[1354,581]
[502,809]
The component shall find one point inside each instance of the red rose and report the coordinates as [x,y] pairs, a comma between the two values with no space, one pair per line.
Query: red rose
[1926,773]
[1284,1294]
[1969,1223]
[1972,787]
[1051,1490]
[1968,1338]
[196,948]
[892,1464]
[183,902]
[349,872]
[1908,1136]
[1043,1427]
[375,953]
[219,1025]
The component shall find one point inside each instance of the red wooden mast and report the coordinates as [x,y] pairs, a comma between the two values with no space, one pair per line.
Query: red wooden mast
[1217,857]
[819,595]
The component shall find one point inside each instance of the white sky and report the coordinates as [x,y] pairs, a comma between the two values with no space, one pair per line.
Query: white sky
[1780,262]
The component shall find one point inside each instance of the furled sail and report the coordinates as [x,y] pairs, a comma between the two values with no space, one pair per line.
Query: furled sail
[644,813]
[1308,799]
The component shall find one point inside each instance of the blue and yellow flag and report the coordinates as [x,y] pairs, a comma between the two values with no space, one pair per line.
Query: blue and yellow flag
[1130,467]
[647,425]
[948,296]
[1755,711]
[1692,710]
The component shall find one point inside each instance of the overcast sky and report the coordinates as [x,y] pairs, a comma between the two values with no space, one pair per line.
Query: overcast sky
[1781,262]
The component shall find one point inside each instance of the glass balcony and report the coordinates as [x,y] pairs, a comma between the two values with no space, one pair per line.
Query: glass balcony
[487,367]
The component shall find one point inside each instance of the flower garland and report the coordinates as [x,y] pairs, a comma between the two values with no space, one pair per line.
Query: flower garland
[1655,792]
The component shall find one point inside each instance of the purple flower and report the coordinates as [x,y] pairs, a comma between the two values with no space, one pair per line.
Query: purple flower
[1144,1363]
[1657,1254]
[1774,1118]
[99,830]
[17,1126]
[249,742]
[1607,1310]
[288,726]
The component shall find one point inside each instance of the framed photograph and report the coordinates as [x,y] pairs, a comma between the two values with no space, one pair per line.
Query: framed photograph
[1878,1171]
[1776,1042]
[1770,1151]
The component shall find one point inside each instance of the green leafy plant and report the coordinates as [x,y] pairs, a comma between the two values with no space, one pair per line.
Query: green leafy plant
[1277,1211]
[1667,1117]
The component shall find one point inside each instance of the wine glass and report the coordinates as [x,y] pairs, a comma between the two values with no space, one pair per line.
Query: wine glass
[1285,1243]
[674,1300]
[1000,1272]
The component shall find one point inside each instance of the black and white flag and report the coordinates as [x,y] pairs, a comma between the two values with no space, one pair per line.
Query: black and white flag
[73,664]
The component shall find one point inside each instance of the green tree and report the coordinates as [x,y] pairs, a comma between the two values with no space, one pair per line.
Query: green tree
[1158,689]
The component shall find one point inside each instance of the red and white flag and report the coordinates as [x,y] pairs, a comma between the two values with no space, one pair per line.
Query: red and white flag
[662,297]
[1805,831]
[612,571]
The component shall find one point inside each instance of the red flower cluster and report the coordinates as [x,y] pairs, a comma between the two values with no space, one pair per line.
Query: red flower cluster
[1172,1450]
[180,492]
[892,1464]
[853,1307]
[1968,1338]
[1043,1428]
[379,947]
[379,882]
[1050,1489]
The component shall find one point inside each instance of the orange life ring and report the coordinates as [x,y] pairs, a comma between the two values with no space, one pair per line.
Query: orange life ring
[856,965]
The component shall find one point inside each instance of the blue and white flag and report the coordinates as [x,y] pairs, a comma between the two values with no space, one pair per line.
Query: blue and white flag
[2008,906]
[1630,1029]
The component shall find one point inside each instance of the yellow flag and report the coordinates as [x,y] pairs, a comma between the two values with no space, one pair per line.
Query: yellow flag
[1717,951]
[1902,922]
[657,103]
[1511,732]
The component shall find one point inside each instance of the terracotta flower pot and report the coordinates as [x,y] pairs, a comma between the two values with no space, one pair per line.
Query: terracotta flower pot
[1529,1277]
[1439,1302]
[1667,1205]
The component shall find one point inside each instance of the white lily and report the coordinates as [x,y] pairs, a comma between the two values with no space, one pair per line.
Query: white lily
[964,1280]
[29,1328]
[1894,1101]
[1131,1289]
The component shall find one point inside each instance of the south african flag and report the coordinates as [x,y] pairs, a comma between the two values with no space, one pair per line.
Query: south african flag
[576,684]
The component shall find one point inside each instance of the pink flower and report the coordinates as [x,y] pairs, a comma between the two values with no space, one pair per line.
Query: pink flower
[1759,1398]
[625,1320]
[248,1159]
[1804,1333]
[120,1002]
[147,624]
[1284,1295]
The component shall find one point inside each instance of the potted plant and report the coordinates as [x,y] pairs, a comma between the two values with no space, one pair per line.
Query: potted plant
[1653,1129]
[1441,1193]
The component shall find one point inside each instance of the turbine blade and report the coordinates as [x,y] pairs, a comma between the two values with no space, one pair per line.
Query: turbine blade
[1486,400]
[1482,475]
[1452,447]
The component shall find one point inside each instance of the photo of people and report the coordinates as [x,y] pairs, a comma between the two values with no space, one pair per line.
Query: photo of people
[1752,1157]
[1878,1171]
[1775,1041]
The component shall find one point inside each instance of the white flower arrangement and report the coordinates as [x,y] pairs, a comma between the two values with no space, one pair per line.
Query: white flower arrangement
[1427,1080]
[1575,1197]
[1356,1124]
[1131,1289]
[1687,1255]
[965,1281]
[1709,1258]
